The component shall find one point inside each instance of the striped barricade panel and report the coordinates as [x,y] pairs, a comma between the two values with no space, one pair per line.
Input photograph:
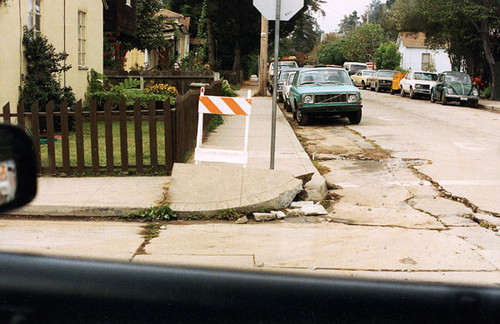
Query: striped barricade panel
[225,105]
[222,106]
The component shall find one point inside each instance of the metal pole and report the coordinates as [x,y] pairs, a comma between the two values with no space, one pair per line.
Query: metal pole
[275,80]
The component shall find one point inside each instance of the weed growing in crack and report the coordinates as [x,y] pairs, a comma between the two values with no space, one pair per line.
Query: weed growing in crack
[321,168]
[224,215]
[153,214]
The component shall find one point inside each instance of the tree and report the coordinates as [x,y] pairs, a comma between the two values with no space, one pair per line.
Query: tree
[387,56]
[378,13]
[361,45]
[349,23]
[234,32]
[331,53]
[461,24]
[149,27]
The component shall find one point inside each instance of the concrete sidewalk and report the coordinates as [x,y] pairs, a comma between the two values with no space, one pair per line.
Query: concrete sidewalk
[114,196]
[490,104]
[219,186]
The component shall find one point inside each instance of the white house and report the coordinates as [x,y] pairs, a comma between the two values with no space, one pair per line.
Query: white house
[416,56]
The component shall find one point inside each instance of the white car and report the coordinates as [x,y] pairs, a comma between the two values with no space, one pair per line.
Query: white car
[286,89]
[417,83]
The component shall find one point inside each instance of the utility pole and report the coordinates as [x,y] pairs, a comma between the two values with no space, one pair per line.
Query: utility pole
[264,28]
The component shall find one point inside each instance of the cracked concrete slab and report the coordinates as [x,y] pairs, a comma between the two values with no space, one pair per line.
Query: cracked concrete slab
[440,206]
[456,221]
[206,260]
[101,240]
[327,245]
[403,216]
[208,189]
[486,278]
[366,183]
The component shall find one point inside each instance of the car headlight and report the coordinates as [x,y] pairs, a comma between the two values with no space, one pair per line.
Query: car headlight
[418,86]
[352,98]
[308,99]
[475,93]
[449,90]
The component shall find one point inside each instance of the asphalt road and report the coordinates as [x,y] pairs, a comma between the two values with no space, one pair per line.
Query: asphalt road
[461,145]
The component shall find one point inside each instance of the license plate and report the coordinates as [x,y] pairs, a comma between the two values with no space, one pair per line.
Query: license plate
[463,98]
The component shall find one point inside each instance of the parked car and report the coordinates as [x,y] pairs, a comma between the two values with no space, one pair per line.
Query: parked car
[360,78]
[396,80]
[417,83]
[281,65]
[324,91]
[283,74]
[353,67]
[455,86]
[286,89]
[382,79]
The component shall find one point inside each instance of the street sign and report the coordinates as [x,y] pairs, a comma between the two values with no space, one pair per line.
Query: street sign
[288,8]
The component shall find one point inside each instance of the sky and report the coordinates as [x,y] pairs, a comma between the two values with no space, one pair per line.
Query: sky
[335,11]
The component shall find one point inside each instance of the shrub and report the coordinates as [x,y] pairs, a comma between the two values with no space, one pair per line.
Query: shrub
[227,90]
[486,93]
[44,68]
[387,56]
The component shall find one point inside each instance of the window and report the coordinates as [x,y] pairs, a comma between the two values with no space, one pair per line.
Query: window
[426,60]
[34,14]
[81,39]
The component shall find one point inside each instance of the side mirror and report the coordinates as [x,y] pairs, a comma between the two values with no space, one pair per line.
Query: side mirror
[18,174]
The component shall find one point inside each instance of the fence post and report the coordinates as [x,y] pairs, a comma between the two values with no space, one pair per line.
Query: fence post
[108,133]
[123,136]
[6,113]
[35,129]
[94,140]
[138,137]
[153,142]
[51,150]
[21,121]
[80,152]
[65,137]
[169,143]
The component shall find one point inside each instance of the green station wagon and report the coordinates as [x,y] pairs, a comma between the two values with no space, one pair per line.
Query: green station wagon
[455,86]
[324,91]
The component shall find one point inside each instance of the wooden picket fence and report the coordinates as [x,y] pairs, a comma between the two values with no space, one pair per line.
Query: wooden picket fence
[178,134]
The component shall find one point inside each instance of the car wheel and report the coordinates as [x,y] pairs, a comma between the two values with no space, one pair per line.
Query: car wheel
[402,92]
[355,117]
[474,104]
[412,93]
[288,108]
[443,98]
[302,118]
[294,111]
[363,85]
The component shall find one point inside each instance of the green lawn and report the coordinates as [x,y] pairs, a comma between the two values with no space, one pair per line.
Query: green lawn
[116,145]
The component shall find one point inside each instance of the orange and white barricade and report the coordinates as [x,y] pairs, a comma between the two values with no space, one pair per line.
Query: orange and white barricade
[222,106]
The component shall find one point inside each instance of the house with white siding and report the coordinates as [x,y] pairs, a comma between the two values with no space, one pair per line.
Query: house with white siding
[74,27]
[416,56]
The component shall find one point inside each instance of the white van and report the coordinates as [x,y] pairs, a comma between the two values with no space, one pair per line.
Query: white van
[353,67]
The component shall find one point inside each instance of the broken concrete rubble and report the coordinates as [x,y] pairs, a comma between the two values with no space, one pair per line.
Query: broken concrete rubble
[264,217]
